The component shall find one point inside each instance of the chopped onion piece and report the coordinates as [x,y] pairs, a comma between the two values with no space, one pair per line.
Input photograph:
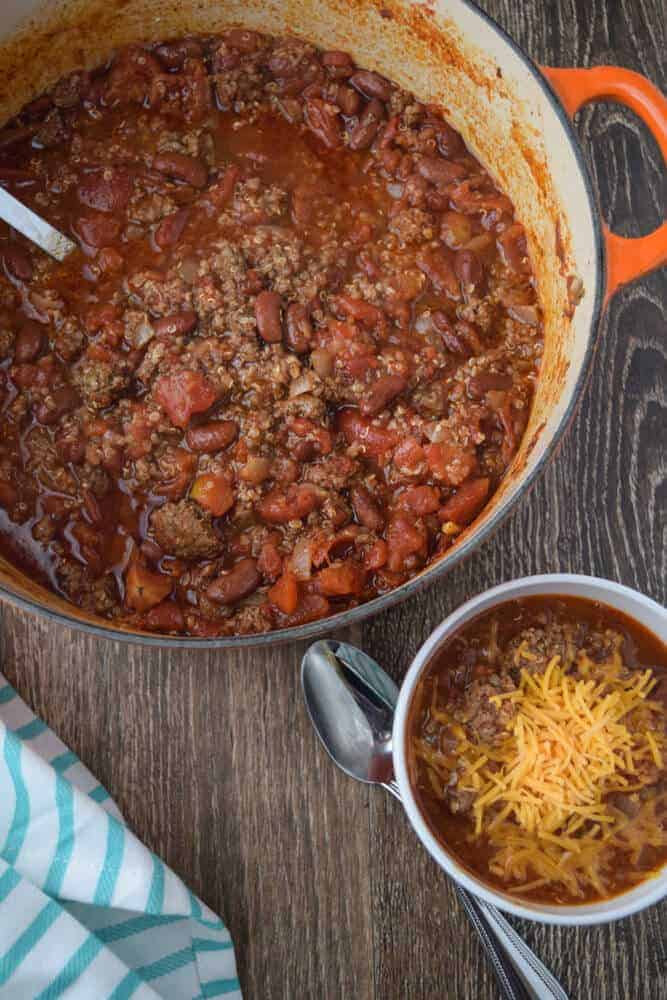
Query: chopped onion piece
[301,560]
[143,333]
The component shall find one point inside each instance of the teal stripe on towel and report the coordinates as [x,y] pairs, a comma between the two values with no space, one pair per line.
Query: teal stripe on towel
[98,794]
[19,826]
[155,900]
[135,925]
[126,987]
[75,968]
[166,965]
[65,844]
[6,694]
[112,862]
[64,761]
[8,882]
[219,987]
[28,940]
[31,730]
[208,944]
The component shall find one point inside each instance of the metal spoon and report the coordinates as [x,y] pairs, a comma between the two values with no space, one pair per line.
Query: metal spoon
[351,701]
[34,227]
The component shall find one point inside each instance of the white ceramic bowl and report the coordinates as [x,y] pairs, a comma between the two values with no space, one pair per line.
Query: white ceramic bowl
[645,611]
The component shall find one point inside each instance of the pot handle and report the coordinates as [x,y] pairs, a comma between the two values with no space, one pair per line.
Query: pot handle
[627,259]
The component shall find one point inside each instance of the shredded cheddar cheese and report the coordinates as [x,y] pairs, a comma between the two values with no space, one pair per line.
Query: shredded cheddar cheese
[541,791]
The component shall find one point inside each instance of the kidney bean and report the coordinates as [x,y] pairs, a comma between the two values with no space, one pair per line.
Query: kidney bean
[214,436]
[439,171]
[365,312]
[184,168]
[267,315]
[485,382]
[372,85]
[382,393]
[449,141]
[241,581]
[415,190]
[366,510]
[437,266]
[348,100]
[106,190]
[469,270]
[16,261]
[30,343]
[338,64]
[454,336]
[324,121]
[96,229]
[170,230]
[174,54]
[367,127]
[222,189]
[244,41]
[466,502]
[61,401]
[514,247]
[176,325]
[298,328]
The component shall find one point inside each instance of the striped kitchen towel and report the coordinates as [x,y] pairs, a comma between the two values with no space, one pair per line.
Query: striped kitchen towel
[86,911]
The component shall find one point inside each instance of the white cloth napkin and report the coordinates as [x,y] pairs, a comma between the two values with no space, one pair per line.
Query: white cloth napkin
[86,911]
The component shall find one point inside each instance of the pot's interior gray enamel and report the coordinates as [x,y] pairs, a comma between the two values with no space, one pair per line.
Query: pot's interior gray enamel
[447,53]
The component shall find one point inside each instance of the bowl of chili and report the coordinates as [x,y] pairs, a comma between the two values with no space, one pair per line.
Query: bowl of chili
[529,743]
[221,427]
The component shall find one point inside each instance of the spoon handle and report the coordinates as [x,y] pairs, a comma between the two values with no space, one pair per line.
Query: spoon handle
[20,217]
[538,978]
[509,981]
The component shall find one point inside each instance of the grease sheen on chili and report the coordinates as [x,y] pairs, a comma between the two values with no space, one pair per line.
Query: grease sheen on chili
[293,356]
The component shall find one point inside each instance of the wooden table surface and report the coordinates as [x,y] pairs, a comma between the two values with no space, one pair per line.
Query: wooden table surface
[210,755]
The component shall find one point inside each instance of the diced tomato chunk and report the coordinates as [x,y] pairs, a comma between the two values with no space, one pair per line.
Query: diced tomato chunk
[405,538]
[270,562]
[374,439]
[341,579]
[144,589]
[213,492]
[376,557]
[450,462]
[184,393]
[309,429]
[420,500]
[299,500]
[366,313]
[309,609]
[285,593]
[165,617]
[409,457]
[466,502]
